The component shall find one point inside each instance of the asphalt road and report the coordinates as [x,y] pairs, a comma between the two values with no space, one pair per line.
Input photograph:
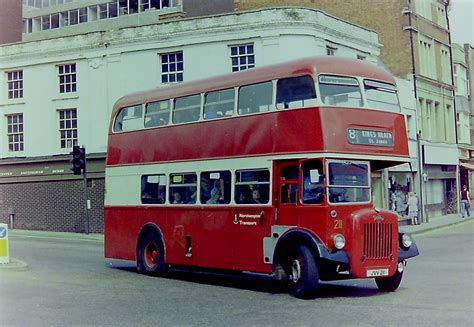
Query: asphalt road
[69,283]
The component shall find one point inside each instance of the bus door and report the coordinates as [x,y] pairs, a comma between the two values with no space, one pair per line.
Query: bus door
[251,218]
[287,195]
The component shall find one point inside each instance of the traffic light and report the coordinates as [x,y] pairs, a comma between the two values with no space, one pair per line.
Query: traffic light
[78,159]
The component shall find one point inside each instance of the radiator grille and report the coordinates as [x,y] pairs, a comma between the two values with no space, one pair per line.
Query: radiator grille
[377,240]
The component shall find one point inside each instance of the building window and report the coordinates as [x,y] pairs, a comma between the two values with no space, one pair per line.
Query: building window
[172,67]
[330,51]
[82,15]
[242,57]
[68,128]
[15,132]
[67,78]
[15,84]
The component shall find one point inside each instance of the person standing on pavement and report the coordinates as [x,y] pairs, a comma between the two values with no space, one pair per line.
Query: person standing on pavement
[465,202]
[412,204]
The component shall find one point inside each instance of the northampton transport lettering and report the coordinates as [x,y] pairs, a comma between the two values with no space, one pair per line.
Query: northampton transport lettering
[369,137]
[246,219]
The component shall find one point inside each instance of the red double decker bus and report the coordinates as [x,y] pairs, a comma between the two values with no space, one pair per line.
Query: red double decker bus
[266,170]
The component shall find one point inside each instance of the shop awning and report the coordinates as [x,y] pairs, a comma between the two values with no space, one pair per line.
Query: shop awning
[467,165]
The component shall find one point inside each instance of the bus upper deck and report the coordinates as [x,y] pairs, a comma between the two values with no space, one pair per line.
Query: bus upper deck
[250,114]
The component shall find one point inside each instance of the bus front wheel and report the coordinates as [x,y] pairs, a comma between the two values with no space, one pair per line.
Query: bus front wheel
[303,272]
[389,284]
[151,255]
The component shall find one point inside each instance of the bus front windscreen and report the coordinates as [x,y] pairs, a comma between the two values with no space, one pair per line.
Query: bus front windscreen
[348,181]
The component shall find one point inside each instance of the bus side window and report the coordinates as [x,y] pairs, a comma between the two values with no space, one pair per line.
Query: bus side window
[255,98]
[153,189]
[183,188]
[252,186]
[289,188]
[295,92]
[215,187]
[129,118]
[340,91]
[157,114]
[219,104]
[187,109]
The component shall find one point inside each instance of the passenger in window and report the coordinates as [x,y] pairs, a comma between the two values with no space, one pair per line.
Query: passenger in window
[192,198]
[215,196]
[243,198]
[256,196]
[177,198]
[161,197]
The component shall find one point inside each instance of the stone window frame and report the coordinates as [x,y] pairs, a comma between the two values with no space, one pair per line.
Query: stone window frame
[67,119]
[15,84]
[67,74]
[15,128]
[242,56]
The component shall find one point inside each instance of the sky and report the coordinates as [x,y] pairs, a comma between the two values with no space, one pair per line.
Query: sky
[461,21]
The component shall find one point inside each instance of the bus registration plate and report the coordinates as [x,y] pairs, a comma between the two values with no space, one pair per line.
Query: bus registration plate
[377,272]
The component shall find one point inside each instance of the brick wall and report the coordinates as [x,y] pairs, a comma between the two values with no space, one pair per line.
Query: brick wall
[384,17]
[53,205]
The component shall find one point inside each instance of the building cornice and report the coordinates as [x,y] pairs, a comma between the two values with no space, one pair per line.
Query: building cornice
[190,31]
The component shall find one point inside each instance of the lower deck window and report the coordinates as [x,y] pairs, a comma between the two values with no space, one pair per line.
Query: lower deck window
[153,189]
[183,188]
[215,187]
[252,186]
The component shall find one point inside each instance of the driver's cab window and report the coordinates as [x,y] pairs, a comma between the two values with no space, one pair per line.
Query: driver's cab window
[289,184]
[313,191]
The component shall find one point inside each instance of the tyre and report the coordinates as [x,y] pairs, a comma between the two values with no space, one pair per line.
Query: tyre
[389,284]
[304,274]
[150,259]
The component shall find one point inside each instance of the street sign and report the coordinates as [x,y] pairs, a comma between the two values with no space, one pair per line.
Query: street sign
[4,255]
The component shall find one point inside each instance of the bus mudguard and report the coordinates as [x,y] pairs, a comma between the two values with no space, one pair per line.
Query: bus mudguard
[294,237]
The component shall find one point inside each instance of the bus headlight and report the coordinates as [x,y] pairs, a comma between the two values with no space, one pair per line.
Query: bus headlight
[339,241]
[406,240]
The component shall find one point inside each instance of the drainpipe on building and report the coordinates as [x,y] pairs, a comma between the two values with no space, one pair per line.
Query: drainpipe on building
[418,133]
[458,172]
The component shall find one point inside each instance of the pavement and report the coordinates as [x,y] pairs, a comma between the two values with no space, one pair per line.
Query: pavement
[15,264]
[435,223]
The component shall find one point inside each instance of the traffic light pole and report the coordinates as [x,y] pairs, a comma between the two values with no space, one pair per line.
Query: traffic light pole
[79,167]
[86,199]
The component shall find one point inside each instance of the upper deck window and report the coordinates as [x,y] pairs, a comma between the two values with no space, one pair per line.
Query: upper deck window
[157,113]
[340,91]
[295,92]
[129,119]
[255,98]
[187,109]
[381,96]
[348,181]
[219,104]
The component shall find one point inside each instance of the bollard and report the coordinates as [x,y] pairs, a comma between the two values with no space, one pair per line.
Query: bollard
[4,255]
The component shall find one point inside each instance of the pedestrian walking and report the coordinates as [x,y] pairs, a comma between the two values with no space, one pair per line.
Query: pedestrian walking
[413,208]
[465,202]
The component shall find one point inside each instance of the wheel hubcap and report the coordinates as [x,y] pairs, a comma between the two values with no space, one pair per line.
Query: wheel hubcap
[295,271]
[151,254]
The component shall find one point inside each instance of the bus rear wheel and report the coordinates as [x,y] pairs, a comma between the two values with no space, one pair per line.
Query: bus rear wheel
[304,274]
[151,255]
[389,284]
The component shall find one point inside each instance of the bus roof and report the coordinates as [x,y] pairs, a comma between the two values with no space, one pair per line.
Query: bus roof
[307,66]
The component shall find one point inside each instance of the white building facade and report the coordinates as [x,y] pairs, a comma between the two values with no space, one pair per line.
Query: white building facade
[59,91]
